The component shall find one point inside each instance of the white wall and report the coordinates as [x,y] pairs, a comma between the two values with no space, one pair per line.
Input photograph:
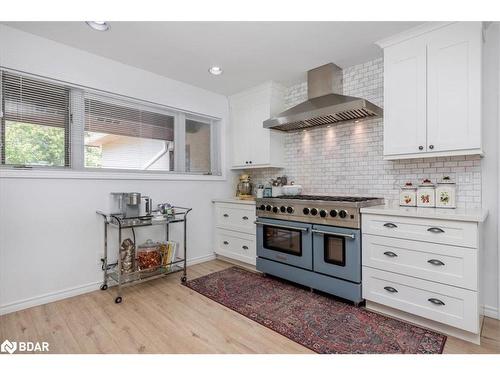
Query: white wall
[50,236]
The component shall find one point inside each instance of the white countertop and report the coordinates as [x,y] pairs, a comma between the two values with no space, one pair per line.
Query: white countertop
[234,200]
[459,214]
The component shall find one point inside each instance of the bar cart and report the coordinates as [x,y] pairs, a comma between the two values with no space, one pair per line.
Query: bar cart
[114,272]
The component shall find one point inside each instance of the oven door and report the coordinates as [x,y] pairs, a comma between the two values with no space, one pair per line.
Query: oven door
[285,241]
[337,252]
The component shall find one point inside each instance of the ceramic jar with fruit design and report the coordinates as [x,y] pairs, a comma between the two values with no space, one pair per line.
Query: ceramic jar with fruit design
[408,195]
[426,194]
[446,193]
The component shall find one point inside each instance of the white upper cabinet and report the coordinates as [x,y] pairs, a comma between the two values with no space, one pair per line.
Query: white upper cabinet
[432,91]
[253,146]
[405,98]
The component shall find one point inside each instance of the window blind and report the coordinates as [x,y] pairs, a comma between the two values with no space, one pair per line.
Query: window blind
[105,115]
[32,101]
[32,111]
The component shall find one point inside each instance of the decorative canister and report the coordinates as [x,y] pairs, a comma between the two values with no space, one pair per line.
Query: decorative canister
[446,193]
[426,194]
[408,195]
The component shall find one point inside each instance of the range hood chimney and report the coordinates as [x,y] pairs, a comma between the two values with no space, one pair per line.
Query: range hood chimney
[325,105]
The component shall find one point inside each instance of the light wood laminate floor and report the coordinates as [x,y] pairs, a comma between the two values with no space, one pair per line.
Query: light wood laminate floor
[163,316]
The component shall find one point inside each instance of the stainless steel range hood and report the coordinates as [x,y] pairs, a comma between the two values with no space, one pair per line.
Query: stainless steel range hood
[325,105]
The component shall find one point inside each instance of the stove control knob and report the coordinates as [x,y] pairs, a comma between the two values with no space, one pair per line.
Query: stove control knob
[314,211]
[262,207]
[290,210]
[323,213]
[343,214]
[306,211]
[268,207]
[275,210]
[283,209]
[334,213]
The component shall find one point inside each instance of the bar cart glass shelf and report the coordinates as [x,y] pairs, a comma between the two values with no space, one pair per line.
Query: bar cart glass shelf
[112,271]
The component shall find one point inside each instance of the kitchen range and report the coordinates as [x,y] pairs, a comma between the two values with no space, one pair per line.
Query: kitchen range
[313,240]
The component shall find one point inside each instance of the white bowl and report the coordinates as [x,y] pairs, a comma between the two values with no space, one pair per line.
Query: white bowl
[292,190]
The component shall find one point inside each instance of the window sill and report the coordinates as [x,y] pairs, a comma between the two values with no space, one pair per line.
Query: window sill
[104,175]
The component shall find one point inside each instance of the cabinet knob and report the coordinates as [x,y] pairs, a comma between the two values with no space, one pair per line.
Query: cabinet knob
[226,215]
[250,162]
[245,217]
[245,247]
[420,148]
[431,147]
[226,243]
[246,162]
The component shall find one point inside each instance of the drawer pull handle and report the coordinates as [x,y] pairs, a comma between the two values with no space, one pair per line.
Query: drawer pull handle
[245,217]
[435,262]
[390,225]
[391,254]
[226,243]
[390,289]
[435,230]
[245,247]
[226,215]
[436,301]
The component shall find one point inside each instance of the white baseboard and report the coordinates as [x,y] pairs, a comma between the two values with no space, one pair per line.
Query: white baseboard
[71,292]
[491,312]
[49,297]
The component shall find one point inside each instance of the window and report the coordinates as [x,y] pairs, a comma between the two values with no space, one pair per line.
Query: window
[198,146]
[35,122]
[121,136]
[47,124]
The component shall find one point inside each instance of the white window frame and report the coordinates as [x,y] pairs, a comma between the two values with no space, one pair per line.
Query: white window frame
[77,170]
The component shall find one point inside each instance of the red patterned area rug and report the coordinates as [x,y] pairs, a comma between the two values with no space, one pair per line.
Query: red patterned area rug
[318,322]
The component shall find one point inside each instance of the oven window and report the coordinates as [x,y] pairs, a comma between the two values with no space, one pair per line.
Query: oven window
[283,240]
[335,250]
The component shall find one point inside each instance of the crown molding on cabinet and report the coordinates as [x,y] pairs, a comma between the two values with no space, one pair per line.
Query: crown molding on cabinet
[411,33]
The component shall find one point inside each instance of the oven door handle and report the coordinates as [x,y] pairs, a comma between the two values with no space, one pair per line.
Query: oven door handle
[348,235]
[281,226]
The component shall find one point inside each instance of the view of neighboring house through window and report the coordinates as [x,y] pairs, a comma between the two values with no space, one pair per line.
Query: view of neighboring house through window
[34,123]
[120,136]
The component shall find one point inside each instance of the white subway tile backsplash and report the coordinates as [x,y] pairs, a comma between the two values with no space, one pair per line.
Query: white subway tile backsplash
[347,159]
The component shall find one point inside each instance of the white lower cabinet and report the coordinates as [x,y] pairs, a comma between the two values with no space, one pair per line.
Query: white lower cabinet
[443,303]
[424,268]
[235,233]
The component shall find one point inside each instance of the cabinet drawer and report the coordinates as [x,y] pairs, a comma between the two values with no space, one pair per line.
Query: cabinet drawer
[445,264]
[236,245]
[458,233]
[235,217]
[446,304]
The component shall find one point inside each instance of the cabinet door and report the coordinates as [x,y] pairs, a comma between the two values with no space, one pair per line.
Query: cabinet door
[258,138]
[405,98]
[454,88]
[240,120]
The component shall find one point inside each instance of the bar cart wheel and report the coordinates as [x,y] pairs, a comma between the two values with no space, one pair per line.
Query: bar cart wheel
[118,299]
[104,286]
[183,279]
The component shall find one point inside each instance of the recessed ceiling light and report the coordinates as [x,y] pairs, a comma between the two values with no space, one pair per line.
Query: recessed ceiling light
[215,70]
[98,25]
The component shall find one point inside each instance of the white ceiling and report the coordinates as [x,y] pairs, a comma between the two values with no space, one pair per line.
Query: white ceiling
[249,52]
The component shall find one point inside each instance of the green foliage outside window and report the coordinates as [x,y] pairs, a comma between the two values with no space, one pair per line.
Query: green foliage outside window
[29,144]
